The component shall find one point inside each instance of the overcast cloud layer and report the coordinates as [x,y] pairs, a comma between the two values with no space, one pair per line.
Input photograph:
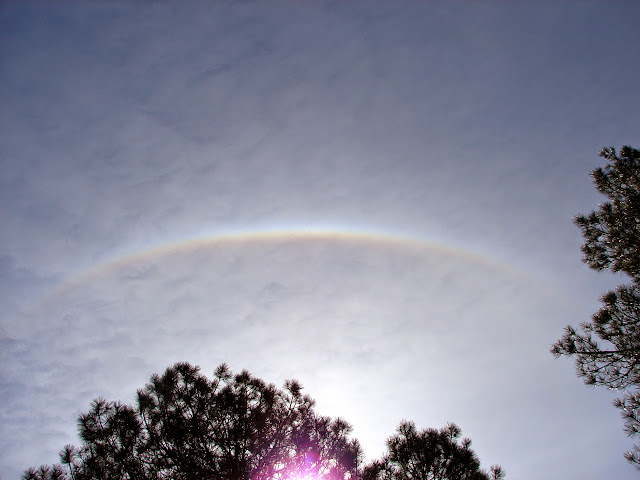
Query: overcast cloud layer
[127,126]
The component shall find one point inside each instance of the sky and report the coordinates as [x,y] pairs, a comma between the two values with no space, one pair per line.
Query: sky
[374,198]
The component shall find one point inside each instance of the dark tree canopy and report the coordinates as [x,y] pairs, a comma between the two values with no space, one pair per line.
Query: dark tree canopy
[612,233]
[607,349]
[185,426]
[236,427]
[429,455]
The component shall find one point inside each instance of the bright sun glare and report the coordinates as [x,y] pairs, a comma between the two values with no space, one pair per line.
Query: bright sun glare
[303,477]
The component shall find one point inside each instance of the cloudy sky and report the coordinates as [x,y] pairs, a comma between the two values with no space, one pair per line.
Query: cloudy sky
[374,198]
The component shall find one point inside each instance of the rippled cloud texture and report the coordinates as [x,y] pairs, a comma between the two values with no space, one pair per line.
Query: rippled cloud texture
[374,198]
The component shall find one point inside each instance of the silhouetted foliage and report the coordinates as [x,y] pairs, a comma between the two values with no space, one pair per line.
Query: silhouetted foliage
[429,455]
[607,349]
[185,426]
[611,234]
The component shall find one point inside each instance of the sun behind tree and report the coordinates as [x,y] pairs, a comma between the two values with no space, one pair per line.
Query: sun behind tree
[236,427]
[187,427]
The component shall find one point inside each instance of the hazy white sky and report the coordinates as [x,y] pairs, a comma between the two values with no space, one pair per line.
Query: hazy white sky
[374,198]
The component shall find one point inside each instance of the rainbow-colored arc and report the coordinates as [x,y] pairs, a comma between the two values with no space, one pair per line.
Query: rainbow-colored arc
[249,237]
[304,235]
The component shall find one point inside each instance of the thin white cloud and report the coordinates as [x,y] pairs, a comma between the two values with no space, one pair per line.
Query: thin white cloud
[126,126]
[347,319]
